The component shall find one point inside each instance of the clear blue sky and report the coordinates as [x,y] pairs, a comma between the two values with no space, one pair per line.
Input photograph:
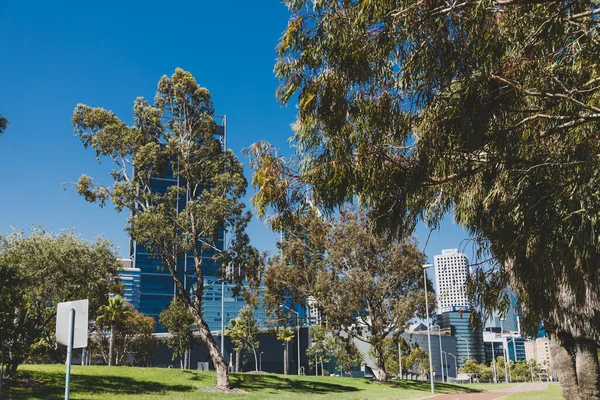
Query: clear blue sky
[105,54]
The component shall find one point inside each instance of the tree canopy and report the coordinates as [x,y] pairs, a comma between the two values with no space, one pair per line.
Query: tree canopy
[243,332]
[365,285]
[486,108]
[3,124]
[179,322]
[175,137]
[38,271]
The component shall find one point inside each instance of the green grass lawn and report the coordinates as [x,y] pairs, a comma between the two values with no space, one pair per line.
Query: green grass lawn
[554,392]
[100,382]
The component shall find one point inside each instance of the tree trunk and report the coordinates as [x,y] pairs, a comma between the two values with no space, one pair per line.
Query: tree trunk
[285,358]
[237,361]
[212,348]
[586,364]
[380,364]
[255,360]
[322,369]
[111,344]
[576,364]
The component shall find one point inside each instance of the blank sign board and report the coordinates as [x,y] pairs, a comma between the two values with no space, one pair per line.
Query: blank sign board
[63,312]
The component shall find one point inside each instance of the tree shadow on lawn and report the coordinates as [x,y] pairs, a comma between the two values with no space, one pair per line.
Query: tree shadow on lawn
[440,388]
[252,382]
[111,385]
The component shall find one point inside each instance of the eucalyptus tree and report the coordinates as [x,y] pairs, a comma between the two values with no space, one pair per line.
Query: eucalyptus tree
[365,285]
[488,108]
[176,136]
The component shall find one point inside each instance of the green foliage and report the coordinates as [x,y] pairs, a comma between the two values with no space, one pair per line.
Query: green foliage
[344,352]
[41,270]
[174,136]
[328,346]
[418,359]
[3,124]
[286,336]
[179,322]
[114,313]
[487,108]
[521,371]
[129,331]
[390,353]
[360,280]
[319,351]
[243,332]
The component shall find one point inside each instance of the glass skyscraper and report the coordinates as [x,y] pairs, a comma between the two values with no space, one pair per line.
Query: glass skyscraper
[469,339]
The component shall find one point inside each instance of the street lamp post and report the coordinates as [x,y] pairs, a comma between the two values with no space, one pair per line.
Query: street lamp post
[428,330]
[455,364]
[446,361]
[467,342]
[223,318]
[505,351]
[441,361]
[260,362]
[298,330]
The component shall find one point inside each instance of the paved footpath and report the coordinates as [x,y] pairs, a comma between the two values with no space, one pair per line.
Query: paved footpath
[494,394]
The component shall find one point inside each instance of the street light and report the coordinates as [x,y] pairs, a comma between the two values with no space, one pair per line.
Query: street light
[428,333]
[446,358]
[455,365]
[467,342]
[504,351]
[441,361]
[298,330]
[260,357]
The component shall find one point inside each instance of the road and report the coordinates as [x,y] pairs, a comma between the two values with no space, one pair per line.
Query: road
[493,394]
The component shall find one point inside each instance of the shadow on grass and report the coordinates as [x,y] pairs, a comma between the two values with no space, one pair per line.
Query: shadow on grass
[440,388]
[111,385]
[251,382]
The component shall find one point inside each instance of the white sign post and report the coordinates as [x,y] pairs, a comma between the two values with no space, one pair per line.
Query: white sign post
[74,316]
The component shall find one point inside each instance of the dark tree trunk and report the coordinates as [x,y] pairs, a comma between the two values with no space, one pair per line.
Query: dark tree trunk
[576,364]
[586,364]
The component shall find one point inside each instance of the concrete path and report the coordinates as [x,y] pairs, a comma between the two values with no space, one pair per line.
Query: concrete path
[493,394]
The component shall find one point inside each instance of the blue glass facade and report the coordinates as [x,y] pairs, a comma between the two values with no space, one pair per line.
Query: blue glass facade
[212,301]
[130,278]
[469,339]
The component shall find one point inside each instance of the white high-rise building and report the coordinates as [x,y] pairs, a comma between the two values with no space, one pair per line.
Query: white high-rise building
[451,273]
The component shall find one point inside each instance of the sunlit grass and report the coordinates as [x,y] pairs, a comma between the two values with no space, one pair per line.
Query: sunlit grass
[100,382]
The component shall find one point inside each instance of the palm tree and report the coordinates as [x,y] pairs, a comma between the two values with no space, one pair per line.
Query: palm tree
[113,314]
[286,335]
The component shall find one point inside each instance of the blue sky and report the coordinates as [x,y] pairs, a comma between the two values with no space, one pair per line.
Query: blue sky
[105,54]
